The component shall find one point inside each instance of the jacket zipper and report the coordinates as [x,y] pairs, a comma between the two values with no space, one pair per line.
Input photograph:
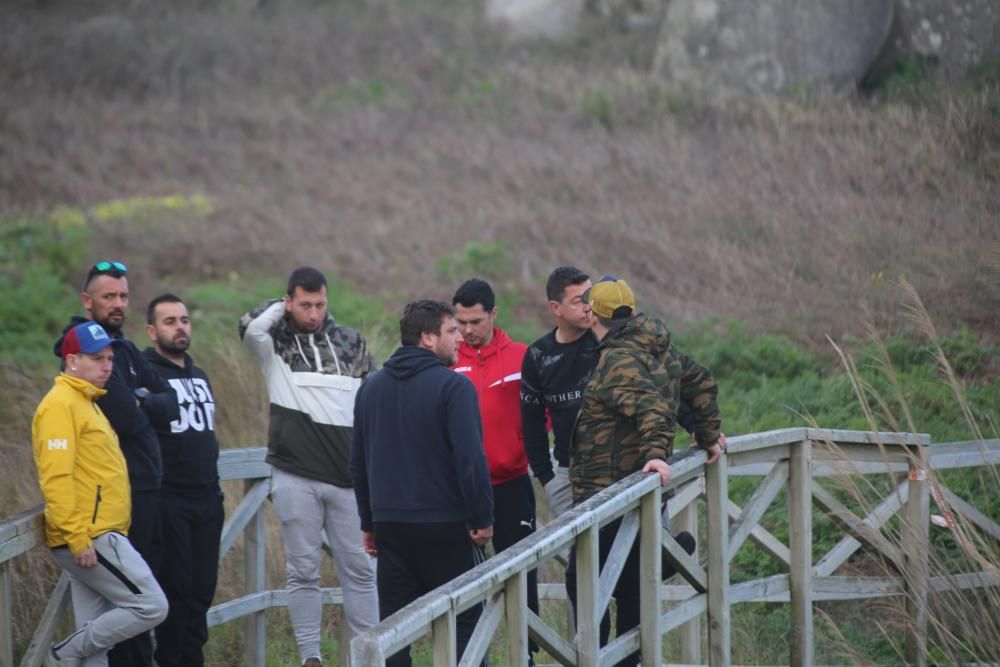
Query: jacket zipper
[97,503]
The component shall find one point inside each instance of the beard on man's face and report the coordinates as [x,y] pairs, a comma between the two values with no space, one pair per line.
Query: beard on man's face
[177,345]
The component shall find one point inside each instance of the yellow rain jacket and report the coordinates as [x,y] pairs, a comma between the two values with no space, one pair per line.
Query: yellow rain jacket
[80,466]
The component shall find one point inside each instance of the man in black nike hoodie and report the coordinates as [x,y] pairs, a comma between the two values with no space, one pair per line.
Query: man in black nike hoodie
[191,511]
[419,471]
[137,399]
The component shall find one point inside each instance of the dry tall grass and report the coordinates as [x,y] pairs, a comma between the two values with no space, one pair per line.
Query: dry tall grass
[963,625]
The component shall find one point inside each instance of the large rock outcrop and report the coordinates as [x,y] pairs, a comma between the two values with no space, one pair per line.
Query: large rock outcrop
[771,44]
[956,34]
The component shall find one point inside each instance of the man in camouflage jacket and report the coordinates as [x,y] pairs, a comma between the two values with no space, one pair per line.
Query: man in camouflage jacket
[627,421]
[629,411]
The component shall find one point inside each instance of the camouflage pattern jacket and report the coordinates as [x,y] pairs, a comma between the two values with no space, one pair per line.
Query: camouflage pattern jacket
[629,408]
[312,379]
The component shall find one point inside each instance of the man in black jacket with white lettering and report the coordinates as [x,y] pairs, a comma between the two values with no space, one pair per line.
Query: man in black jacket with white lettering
[191,512]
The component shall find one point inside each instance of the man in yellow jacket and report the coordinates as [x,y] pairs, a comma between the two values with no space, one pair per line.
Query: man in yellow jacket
[83,477]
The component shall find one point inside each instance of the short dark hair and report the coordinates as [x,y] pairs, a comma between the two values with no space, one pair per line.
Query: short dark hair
[560,279]
[113,269]
[163,298]
[422,316]
[306,277]
[475,291]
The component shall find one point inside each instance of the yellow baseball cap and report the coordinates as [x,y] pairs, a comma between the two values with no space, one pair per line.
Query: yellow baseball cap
[610,297]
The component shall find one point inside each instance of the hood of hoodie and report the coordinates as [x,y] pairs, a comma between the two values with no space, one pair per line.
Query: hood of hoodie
[468,354]
[158,359]
[410,360]
[642,333]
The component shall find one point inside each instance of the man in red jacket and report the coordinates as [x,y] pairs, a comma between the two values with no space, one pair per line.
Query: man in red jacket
[489,358]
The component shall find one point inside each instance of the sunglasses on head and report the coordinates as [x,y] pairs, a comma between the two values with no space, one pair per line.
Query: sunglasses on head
[105,267]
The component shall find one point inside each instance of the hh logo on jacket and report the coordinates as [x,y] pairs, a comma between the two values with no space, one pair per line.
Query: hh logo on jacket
[196,403]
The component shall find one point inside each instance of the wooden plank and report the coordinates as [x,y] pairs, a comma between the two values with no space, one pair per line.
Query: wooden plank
[650,577]
[758,457]
[845,437]
[761,499]
[444,638]
[55,610]
[21,533]
[255,625]
[516,620]
[687,565]
[617,557]
[242,515]
[684,496]
[486,627]
[846,547]
[768,589]
[684,614]
[848,455]
[550,641]
[587,618]
[240,607]
[690,632]
[966,454]
[768,543]
[717,547]
[745,443]
[620,647]
[916,554]
[6,633]
[955,503]
[801,647]
[254,602]
[243,463]
[849,522]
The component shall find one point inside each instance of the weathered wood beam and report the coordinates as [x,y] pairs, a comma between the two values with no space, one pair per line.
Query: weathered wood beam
[847,545]
[444,633]
[486,627]
[761,499]
[617,557]
[550,640]
[717,549]
[242,515]
[800,482]
[768,543]
[955,503]
[916,555]
[650,577]
[849,522]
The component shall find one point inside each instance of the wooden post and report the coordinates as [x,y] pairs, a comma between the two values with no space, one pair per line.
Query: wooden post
[800,568]
[253,582]
[515,611]
[717,528]
[650,577]
[588,618]
[6,637]
[916,538]
[443,637]
[690,632]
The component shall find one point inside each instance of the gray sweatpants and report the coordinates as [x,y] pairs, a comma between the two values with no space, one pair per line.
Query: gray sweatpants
[307,508]
[116,599]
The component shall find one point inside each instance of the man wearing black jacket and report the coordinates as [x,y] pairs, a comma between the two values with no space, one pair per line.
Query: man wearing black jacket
[191,512]
[419,471]
[137,398]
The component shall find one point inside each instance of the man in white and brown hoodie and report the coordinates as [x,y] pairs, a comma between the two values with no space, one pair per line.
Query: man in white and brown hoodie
[313,368]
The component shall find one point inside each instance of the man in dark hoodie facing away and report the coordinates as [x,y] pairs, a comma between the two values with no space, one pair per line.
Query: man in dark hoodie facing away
[191,512]
[137,399]
[420,475]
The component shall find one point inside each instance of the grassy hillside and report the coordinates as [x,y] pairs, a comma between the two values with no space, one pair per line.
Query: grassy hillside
[375,137]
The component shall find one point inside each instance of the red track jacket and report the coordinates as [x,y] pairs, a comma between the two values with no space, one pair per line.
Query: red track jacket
[495,370]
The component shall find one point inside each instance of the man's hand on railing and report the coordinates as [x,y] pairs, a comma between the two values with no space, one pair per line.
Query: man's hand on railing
[481,535]
[368,542]
[715,451]
[660,466]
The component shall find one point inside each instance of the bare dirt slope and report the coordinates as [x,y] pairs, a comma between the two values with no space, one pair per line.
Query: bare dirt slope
[373,138]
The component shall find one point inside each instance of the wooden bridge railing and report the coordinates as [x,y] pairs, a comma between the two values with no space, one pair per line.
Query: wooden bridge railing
[791,457]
